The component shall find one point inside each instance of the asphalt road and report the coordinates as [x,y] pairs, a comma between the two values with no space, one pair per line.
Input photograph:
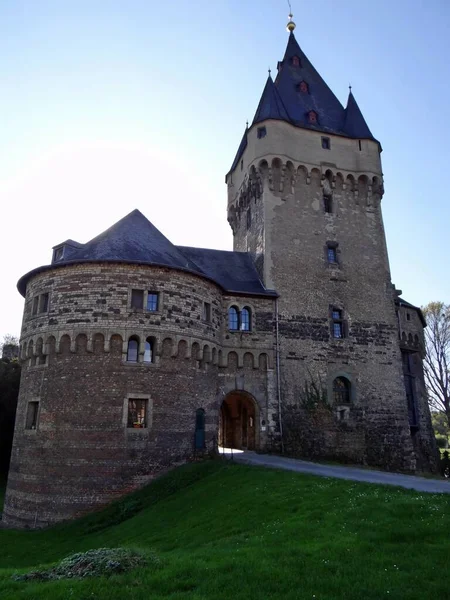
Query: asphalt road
[412,482]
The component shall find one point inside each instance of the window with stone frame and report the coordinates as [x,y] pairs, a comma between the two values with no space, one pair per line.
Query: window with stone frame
[137,298]
[233,318]
[32,415]
[341,391]
[245,320]
[35,307]
[133,349]
[43,303]
[206,312]
[338,323]
[149,353]
[152,301]
[137,413]
[326,144]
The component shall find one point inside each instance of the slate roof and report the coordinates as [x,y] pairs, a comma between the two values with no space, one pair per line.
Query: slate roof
[233,271]
[416,308]
[135,240]
[283,100]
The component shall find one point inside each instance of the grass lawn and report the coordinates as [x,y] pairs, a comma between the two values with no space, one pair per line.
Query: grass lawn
[232,532]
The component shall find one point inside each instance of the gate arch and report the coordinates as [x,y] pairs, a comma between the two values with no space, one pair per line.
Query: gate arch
[239,421]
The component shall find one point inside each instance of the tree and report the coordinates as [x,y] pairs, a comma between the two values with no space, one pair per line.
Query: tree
[437,359]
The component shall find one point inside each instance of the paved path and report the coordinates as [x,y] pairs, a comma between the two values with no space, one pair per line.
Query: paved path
[434,486]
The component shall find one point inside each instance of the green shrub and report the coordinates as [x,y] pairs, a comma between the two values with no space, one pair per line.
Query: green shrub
[93,563]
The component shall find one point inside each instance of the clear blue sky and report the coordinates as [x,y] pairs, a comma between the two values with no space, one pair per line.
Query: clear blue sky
[107,106]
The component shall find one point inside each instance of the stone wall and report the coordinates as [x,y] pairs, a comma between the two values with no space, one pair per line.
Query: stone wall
[81,452]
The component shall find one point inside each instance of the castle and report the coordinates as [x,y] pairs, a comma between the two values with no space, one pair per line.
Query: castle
[139,355]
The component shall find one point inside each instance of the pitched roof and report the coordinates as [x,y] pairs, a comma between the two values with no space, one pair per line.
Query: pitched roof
[240,152]
[134,239]
[402,302]
[319,97]
[234,271]
[354,123]
[271,105]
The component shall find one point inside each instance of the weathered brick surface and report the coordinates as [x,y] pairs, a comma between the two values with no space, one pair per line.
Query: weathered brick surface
[82,454]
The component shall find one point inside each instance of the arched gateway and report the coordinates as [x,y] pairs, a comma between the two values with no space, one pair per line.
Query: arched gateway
[238,421]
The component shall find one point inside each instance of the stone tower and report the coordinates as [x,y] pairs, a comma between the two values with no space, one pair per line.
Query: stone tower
[304,198]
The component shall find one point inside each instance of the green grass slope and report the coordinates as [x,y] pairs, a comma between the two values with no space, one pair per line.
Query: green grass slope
[227,531]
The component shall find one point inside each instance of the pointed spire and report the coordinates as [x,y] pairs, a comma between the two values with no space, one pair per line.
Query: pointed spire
[270,106]
[354,123]
[303,90]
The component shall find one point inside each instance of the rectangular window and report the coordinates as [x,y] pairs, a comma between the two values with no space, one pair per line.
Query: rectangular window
[35,305]
[152,301]
[137,298]
[206,311]
[137,413]
[32,415]
[337,323]
[262,132]
[326,145]
[332,254]
[43,303]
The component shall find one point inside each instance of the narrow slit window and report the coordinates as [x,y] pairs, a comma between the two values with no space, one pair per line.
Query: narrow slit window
[32,415]
[43,303]
[206,312]
[35,305]
[249,218]
[337,323]
[332,254]
[328,204]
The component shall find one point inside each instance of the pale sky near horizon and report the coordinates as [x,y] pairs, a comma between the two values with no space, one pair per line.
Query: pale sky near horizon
[108,105]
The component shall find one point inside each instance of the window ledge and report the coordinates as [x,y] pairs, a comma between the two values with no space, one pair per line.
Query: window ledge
[139,364]
[243,331]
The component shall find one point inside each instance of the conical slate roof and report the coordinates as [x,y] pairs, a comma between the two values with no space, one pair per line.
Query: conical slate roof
[354,123]
[296,68]
[134,239]
[271,105]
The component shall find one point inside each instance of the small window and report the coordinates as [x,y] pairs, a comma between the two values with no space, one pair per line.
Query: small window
[199,429]
[359,144]
[137,413]
[133,350]
[326,143]
[137,298]
[249,218]
[328,204]
[207,312]
[341,391]
[408,317]
[148,351]
[245,319]
[59,253]
[233,319]
[337,323]
[303,87]
[332,254]
[295,61]
[152,301]
[262,132]
[35,305]
[32,415]
[242,164]
[43,303]
[312,117]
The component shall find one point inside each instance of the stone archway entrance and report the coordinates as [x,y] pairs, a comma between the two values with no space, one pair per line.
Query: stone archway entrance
[238,422]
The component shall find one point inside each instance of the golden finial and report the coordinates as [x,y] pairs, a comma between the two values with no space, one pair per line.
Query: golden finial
[291,25]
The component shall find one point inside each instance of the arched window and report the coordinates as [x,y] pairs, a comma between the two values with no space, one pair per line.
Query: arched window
[246,324]
[233,319]
[133,349]
[341,390]
[148,352]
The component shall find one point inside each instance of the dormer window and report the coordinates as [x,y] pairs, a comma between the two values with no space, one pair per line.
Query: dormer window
[295,61]
[303,87]
[59,254]
[312,117]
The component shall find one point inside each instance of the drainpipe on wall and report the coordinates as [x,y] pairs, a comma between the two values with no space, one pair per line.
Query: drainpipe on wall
[277,354]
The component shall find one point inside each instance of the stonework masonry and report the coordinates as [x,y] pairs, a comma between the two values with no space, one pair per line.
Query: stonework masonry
[139,355]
